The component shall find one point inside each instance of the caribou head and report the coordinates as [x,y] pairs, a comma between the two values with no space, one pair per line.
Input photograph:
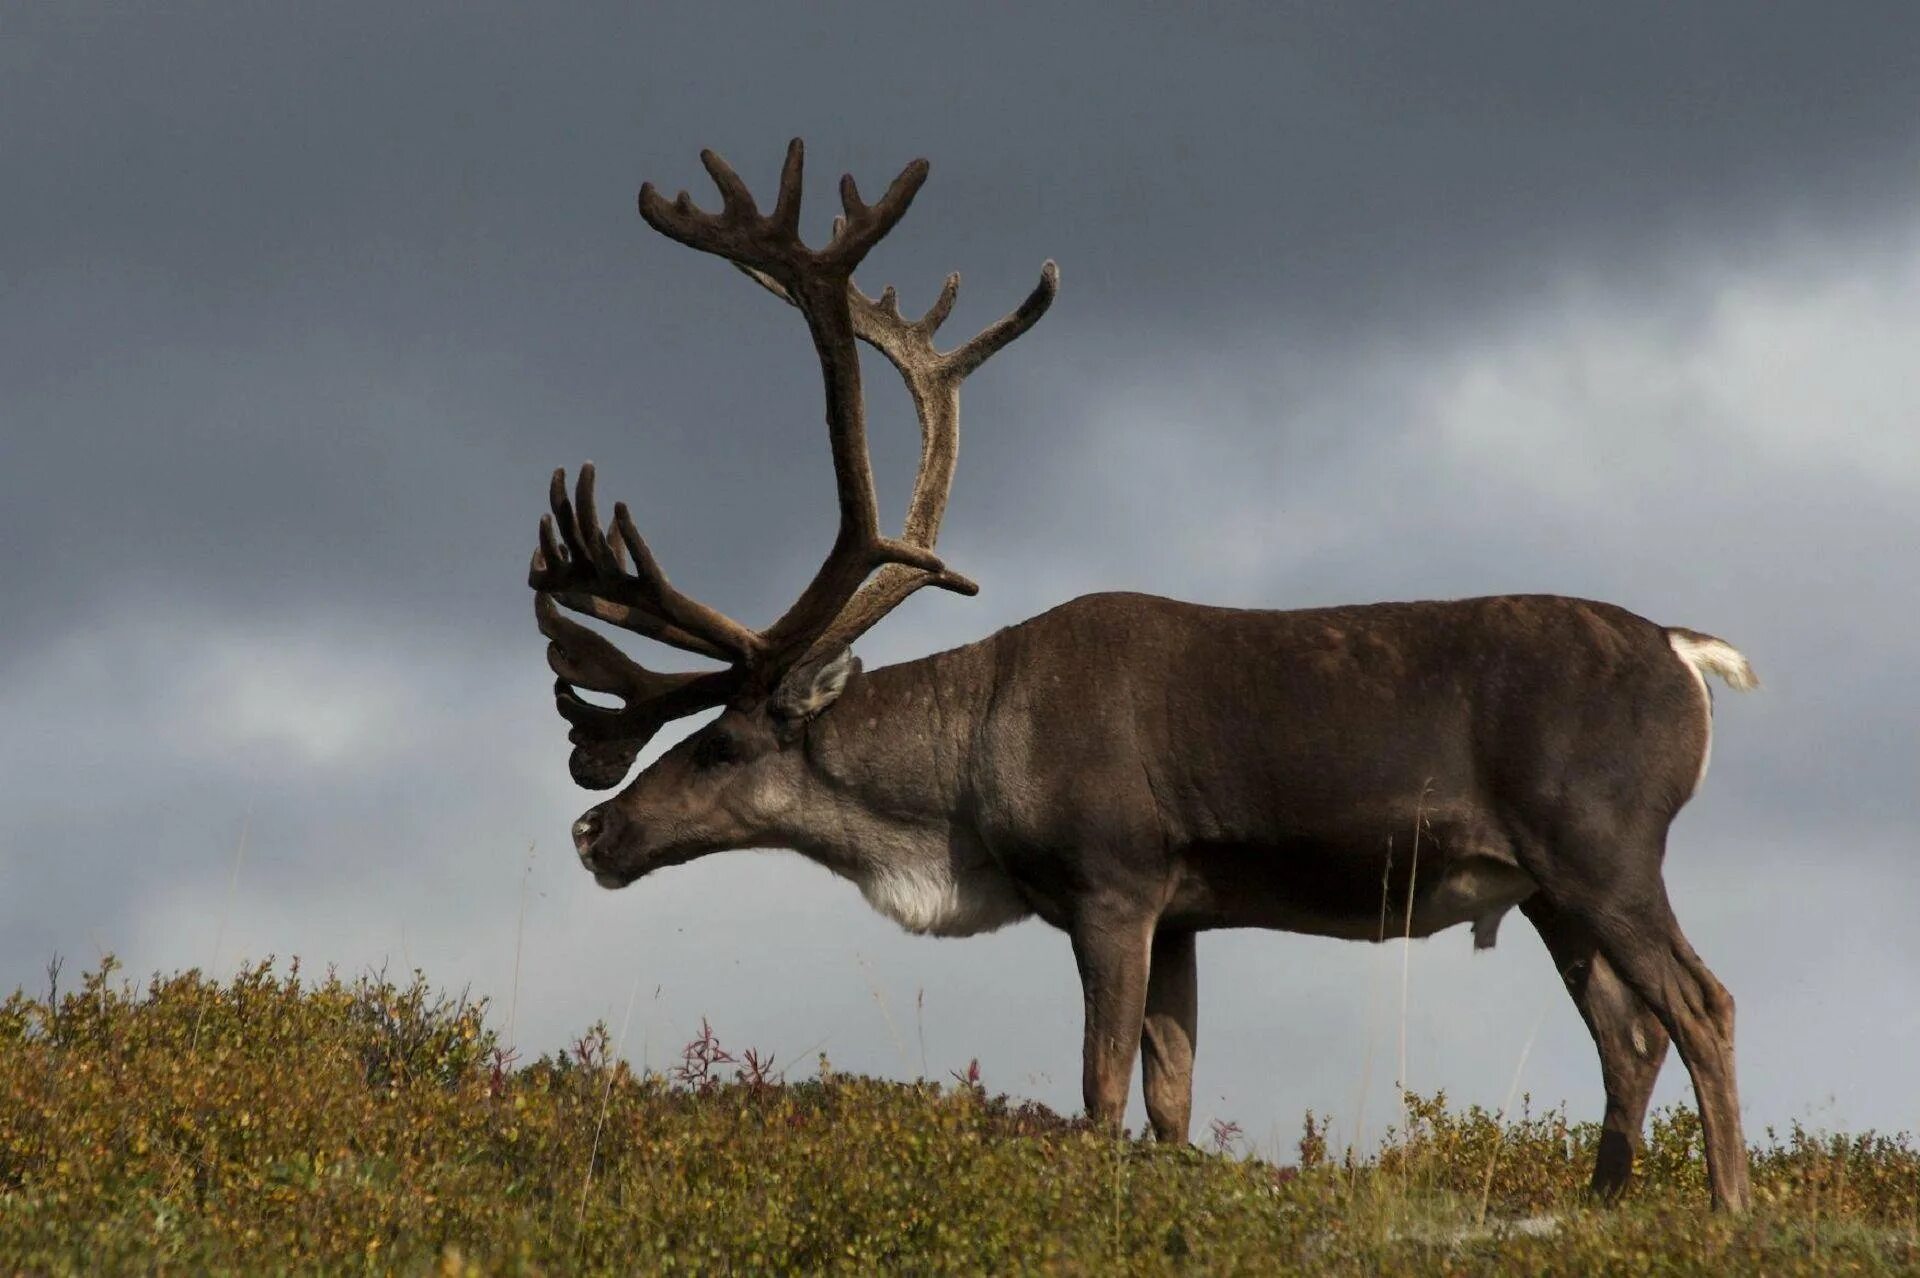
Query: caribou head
[739,780]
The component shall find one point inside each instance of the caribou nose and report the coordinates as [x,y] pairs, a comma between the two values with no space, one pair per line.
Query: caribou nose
[585,831]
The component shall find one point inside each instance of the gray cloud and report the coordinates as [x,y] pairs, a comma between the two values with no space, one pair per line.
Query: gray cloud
[297,311]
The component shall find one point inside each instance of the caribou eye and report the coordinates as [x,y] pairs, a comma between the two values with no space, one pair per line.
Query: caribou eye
[716,751]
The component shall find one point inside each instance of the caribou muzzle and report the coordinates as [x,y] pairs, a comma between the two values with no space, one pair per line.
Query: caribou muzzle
[594,837]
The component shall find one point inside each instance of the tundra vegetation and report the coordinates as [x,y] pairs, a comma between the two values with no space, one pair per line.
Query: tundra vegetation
[276,1123]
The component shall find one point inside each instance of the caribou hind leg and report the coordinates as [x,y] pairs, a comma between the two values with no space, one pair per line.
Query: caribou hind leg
[1698,1012]
[1169,1036]
[1631,1040]
[1613,889]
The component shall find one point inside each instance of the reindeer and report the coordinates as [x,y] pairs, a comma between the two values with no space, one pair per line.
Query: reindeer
[1136,770]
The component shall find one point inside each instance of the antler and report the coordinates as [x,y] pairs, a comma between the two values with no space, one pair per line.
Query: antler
[819,283]
[584,568]
[589,574]
[933,380]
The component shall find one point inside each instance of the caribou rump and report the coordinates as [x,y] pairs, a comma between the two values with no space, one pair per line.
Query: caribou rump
[1136,770]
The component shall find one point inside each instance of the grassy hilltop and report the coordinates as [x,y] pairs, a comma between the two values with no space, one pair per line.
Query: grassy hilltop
[270,1124]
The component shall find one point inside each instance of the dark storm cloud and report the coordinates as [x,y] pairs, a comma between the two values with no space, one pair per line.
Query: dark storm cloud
[351,247]
[344,279]
[297,310]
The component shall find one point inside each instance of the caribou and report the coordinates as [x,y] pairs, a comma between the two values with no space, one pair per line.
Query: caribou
[1136,770]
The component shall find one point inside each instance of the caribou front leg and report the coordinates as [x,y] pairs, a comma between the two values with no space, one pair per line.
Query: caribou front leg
[1112,951]
[1167,1045]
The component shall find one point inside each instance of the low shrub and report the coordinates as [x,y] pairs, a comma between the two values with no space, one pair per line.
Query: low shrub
[274,1124]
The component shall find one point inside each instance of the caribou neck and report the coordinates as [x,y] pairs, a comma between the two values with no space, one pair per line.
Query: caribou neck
[885,797]
[889,761]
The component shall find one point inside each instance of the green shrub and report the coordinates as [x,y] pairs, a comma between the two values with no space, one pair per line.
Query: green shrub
[271,1124]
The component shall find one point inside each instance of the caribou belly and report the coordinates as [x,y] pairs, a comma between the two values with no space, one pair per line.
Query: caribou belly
[1325,889]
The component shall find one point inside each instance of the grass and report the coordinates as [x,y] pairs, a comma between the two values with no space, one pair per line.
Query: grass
[275,1124]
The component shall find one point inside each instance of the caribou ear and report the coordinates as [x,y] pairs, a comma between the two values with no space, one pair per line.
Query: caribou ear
[809,689]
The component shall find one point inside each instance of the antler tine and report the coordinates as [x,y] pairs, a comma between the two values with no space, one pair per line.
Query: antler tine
[587,660]
[879,323]
[606,740]
[864,226]
[735,200]
[942,306]
[990,340]
[585,571]
[786,206]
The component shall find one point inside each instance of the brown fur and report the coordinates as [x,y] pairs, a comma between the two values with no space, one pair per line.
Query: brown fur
[1138,770]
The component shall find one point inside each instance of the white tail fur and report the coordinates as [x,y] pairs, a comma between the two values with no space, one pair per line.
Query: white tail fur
[1708,655]
[1704,655]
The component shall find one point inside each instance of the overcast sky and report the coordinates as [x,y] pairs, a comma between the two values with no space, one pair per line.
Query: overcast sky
[298,309]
